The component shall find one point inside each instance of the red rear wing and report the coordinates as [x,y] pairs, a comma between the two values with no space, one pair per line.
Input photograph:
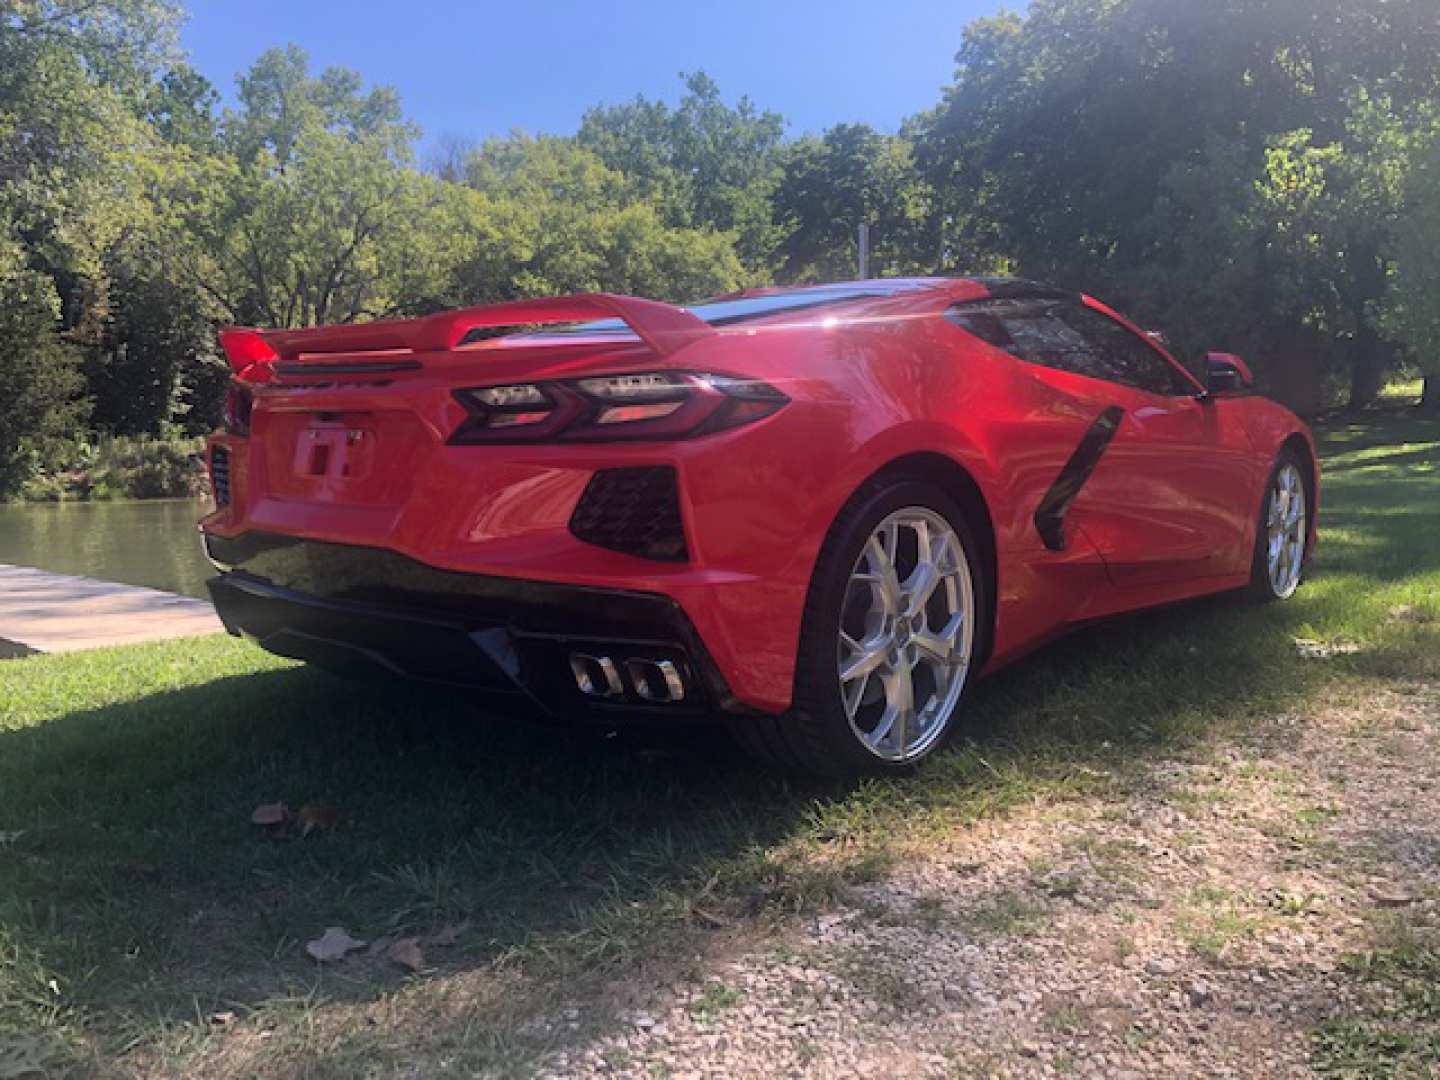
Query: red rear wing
[664,328]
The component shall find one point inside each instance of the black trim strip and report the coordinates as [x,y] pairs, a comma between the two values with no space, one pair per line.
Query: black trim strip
[1050,516]
[359,367]
[1008,288]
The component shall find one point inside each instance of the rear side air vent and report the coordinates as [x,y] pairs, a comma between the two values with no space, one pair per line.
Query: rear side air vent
[636,511]
[220,474]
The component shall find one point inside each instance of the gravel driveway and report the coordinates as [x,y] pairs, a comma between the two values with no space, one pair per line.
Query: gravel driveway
[1194,921]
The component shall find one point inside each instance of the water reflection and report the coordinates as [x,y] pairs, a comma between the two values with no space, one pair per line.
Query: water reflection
[152,543]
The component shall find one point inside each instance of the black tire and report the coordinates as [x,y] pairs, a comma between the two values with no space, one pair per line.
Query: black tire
[815,735]
[1262,589]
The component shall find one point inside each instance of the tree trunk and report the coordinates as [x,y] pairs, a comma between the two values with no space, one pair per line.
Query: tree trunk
[1430,399]
[1367,370]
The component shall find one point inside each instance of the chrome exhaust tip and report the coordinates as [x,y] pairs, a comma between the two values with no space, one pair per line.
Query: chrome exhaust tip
[655,680]
[596,676]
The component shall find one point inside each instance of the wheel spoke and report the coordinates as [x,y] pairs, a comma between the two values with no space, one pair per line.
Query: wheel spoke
[940,647]
[854,694]
[867,658]
[900,706]
[885,580]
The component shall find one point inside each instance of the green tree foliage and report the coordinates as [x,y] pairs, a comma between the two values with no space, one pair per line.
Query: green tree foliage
[549,216]
[40,381]
[1077,136]
[1412,310]
[831,184]
[704,164]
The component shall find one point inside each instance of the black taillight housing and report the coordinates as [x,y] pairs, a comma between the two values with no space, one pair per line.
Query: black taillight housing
[659,405]
[238,404]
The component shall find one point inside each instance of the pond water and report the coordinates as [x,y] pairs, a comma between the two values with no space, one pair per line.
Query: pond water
[152,542]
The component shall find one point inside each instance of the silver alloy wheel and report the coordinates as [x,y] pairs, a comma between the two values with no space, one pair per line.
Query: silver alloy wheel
[906,631]
[1285,524]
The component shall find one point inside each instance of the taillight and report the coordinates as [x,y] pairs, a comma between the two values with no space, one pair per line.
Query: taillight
[238,403]
[643,405]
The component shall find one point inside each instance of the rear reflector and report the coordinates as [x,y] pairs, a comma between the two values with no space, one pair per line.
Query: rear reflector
[633,510]
[220,475]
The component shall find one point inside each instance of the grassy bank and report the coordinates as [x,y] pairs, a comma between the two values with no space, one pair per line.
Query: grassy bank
[118,467]
[146,925]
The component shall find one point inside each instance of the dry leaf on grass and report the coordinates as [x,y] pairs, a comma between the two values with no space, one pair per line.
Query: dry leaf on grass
[1311,649]
[406,952]
[314,816]
[333,945]
[270,814]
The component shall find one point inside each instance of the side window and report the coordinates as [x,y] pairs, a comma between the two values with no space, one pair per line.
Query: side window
[1068,336]
[1031,330]
[1124,356]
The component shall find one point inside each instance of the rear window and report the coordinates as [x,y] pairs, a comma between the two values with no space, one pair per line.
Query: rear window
[721,312]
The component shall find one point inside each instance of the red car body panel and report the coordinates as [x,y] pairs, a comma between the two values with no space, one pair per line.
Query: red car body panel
[1168,513]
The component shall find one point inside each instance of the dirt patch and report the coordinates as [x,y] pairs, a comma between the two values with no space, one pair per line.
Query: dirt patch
[1197,923]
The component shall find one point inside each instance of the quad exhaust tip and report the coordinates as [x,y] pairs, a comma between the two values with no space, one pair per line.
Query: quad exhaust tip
[656,681]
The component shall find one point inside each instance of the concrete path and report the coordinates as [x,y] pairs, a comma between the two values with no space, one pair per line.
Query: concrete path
[42,612]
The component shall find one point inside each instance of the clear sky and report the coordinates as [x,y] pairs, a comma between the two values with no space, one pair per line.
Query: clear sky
[480,68]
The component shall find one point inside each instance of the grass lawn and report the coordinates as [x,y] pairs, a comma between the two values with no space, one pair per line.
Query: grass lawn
[147,926]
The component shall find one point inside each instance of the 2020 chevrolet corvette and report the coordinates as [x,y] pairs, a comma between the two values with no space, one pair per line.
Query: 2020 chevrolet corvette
[818,512]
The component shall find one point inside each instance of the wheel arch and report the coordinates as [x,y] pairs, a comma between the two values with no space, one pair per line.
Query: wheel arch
[956,481]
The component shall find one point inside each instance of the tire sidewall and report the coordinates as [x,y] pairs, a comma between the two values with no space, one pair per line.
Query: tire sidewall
[1260,583]
[817,680]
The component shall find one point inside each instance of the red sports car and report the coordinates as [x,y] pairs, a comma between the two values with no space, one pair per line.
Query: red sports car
[819,512]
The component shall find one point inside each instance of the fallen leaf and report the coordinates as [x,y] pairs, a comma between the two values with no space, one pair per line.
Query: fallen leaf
[1311,649]
[406,952]
[317,816]
[270,813]
[333,945]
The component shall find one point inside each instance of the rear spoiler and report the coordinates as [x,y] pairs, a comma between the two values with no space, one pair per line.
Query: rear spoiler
[664,328]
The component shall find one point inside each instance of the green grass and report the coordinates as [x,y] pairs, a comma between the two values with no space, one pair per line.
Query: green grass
[138,900]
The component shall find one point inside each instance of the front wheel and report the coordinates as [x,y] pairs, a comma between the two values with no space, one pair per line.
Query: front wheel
[1283,528]
[893,624]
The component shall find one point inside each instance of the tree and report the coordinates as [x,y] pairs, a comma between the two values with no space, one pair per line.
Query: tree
[295,221]
[1412,310]
[851,175]
[549,216]
[40,381]
[1059,145]
[703,164]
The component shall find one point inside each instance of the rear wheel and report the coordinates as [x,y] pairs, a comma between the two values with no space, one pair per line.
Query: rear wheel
[1283,528]
[893,623]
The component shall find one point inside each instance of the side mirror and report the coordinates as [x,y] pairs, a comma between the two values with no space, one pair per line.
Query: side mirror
[1226,373]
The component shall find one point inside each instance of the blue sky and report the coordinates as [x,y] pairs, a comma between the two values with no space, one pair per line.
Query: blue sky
[477,69]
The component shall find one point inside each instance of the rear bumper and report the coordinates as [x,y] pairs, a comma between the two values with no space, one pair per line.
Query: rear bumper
[511,640]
